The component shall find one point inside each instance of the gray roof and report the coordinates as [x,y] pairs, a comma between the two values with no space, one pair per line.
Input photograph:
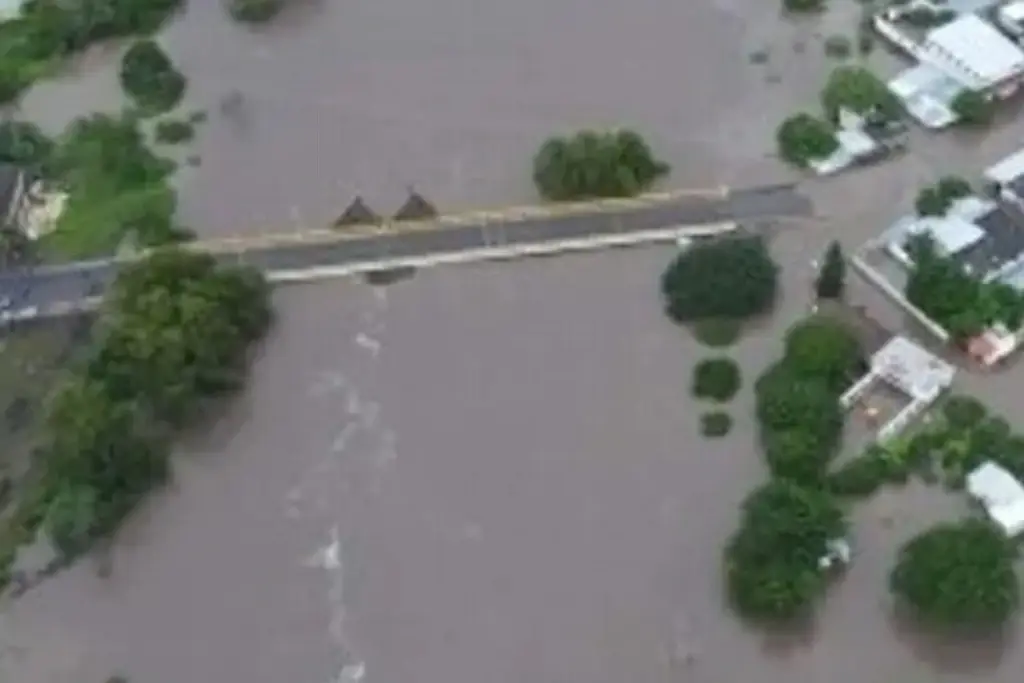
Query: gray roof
[1003,241]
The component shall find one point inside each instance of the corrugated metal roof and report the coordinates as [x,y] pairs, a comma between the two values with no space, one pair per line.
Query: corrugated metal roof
[988,56]
[927,94]
[1006,170]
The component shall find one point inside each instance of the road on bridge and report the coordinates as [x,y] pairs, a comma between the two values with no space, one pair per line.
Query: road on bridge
[57,290]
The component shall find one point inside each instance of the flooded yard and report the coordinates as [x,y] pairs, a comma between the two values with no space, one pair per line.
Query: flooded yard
[486,472]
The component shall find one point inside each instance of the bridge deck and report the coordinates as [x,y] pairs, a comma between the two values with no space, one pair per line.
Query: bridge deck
[59,290]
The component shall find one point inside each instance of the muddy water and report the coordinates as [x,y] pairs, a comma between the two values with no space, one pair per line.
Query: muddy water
[341,97]
[484,473]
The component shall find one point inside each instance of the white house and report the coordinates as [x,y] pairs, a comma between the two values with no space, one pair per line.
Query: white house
[976,54]
[1001,495]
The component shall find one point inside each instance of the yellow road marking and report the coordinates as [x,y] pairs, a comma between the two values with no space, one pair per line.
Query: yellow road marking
[510,214]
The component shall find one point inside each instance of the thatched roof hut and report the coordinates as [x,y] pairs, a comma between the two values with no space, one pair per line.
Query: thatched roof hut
[416,208]
[357,213]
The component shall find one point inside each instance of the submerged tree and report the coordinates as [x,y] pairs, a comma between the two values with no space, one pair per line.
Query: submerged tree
[592,164]
[958,574]
[771,563]
[726,278]
[832,277]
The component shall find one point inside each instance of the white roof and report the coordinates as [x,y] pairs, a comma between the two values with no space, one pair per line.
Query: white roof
[973,46]
[1001,494]
[994,485]
[952,234]
[927,94]
[1013,11]
[1006,170]
[912,369]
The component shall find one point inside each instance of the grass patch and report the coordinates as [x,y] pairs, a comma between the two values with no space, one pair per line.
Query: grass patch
[715,424]
[717,332]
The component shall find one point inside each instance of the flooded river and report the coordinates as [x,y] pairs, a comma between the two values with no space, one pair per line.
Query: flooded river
[488,473]
[485,473]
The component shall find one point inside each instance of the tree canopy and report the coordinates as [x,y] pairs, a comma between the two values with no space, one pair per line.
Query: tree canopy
[118,190]
[49,30]
[150,78]
[824,349]
[716,378]
[726,278]
[973,108]
[959,302]
[254,11]
[831,278]
[593,164]
[936,200]
[786,401]
[860,91]
[958,574]
[174,332]
[771,563]
[803,138]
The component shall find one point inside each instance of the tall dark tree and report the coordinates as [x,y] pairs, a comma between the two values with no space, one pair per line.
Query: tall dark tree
[832,276]
[725,278]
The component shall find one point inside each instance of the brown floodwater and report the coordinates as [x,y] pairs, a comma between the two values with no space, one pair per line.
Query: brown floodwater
[486,472]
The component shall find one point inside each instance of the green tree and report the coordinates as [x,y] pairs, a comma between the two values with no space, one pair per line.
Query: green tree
[798,455]
[785,401]
[936,200]
[832,276]
[973,108]
[860,91]
[958,574]
[716,378]
[591,164]
[802,138]
[254,11]
[824,349]
[24,144]
[943,290]
[803,6]
[727,278]
[771,563]
[150,78]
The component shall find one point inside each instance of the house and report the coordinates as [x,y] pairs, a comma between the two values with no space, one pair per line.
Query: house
[1005,179]
[975,54]
[982,235]
[1010,18]
[918,374]
[1000,494]
[861,140]
[27,207]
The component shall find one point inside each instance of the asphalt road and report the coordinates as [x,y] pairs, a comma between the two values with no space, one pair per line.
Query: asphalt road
[43,290]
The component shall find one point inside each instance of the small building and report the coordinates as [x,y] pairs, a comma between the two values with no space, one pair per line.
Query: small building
[982,235]
[1000,494]
[927,93]
[975,54]
[27,206]
[862,140]
[1005,179]
[910,369]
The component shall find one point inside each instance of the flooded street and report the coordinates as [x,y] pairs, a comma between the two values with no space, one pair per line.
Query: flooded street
[485,473]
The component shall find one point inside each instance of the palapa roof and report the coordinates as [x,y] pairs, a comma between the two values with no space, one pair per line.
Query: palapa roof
[416,208]
[357,213]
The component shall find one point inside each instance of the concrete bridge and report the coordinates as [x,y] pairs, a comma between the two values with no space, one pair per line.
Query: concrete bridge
[300,256]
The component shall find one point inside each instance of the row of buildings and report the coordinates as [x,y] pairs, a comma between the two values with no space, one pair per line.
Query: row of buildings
[958,45]
[983,232]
